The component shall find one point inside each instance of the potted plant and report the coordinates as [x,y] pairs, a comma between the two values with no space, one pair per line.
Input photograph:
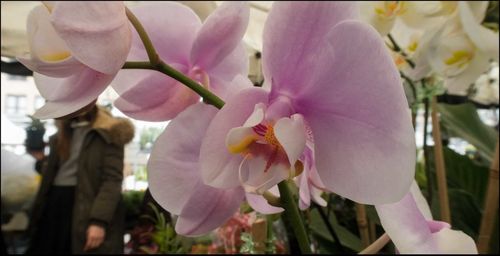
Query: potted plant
[34,134]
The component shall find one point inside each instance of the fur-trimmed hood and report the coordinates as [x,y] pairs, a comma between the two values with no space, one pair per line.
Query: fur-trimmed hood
[116,130]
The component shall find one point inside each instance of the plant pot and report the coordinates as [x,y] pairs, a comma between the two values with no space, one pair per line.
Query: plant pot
[34,138]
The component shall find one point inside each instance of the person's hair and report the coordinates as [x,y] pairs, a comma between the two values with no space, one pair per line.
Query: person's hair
[65,132]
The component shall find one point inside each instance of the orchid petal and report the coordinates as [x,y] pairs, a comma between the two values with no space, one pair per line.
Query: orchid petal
[371,156]
[64,68]
[226,90]
[434,225]
[50,55]
[454,242]
[304,192]
[235,63]
[67,95]
[422,204]
[293,33]
[220,35]
[173,168]
[207,209]
[219,167]
[478,9]
[256,177]
[315,179]
[172,28]
[460,83]
[485,39]
[368,13]
[256,117]
[291,134]
[316,196]
[155,97]
[411,233]
[238,139]
[260,204]
[97,33]
[406,226]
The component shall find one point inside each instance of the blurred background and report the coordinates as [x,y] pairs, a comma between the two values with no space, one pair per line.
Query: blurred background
[469,123]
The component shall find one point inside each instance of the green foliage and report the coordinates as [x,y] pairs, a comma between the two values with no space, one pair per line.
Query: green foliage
[248,245]
[148,137]
[35,124]
[141,173]
[463,121]
[325,239]
[164,235]
[132,200]
[424,93]
[467,182]
[463,173]
[467,175]
[465,212]
[491,19]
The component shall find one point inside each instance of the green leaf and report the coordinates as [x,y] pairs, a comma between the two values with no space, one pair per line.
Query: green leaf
[463,121]
[463,173]
[465,212]
[347,239]
[372,215]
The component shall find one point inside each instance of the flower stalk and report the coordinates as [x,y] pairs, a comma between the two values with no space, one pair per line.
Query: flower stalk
[440,165]
[292,213]
[490,207]
[150,49]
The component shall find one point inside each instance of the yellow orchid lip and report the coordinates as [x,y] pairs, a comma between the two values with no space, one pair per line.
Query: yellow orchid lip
[413,46]
[242,145]
[459,56]
[390,9]
[56,56]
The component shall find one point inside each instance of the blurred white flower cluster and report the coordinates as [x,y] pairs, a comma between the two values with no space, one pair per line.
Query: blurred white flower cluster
[20,182]
[441,38]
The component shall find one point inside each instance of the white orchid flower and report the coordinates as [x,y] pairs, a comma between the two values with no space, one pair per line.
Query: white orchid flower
[420,15]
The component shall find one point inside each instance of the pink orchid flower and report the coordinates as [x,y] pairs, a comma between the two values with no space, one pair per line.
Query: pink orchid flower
[174,174]
[332,82]
[174,171]
[76,49]
[410,226]
[211,53]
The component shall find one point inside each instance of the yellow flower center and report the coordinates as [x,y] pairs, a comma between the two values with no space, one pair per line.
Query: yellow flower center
[56,56]
[413,46]
[242,145]
[459,58]
[270,137]
[390,9]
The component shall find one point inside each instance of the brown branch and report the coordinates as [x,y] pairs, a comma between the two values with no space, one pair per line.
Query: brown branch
[490,207]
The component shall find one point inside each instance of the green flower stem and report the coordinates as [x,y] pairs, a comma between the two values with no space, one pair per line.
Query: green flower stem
[399,49]
[272,199]
[162,67]
[155,63]
[293,215]
[150,49]
[207,96]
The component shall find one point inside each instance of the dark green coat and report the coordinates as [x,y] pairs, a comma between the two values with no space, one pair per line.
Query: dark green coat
[99,185]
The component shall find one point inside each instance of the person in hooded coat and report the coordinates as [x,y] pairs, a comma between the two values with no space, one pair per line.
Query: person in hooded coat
[78,208]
